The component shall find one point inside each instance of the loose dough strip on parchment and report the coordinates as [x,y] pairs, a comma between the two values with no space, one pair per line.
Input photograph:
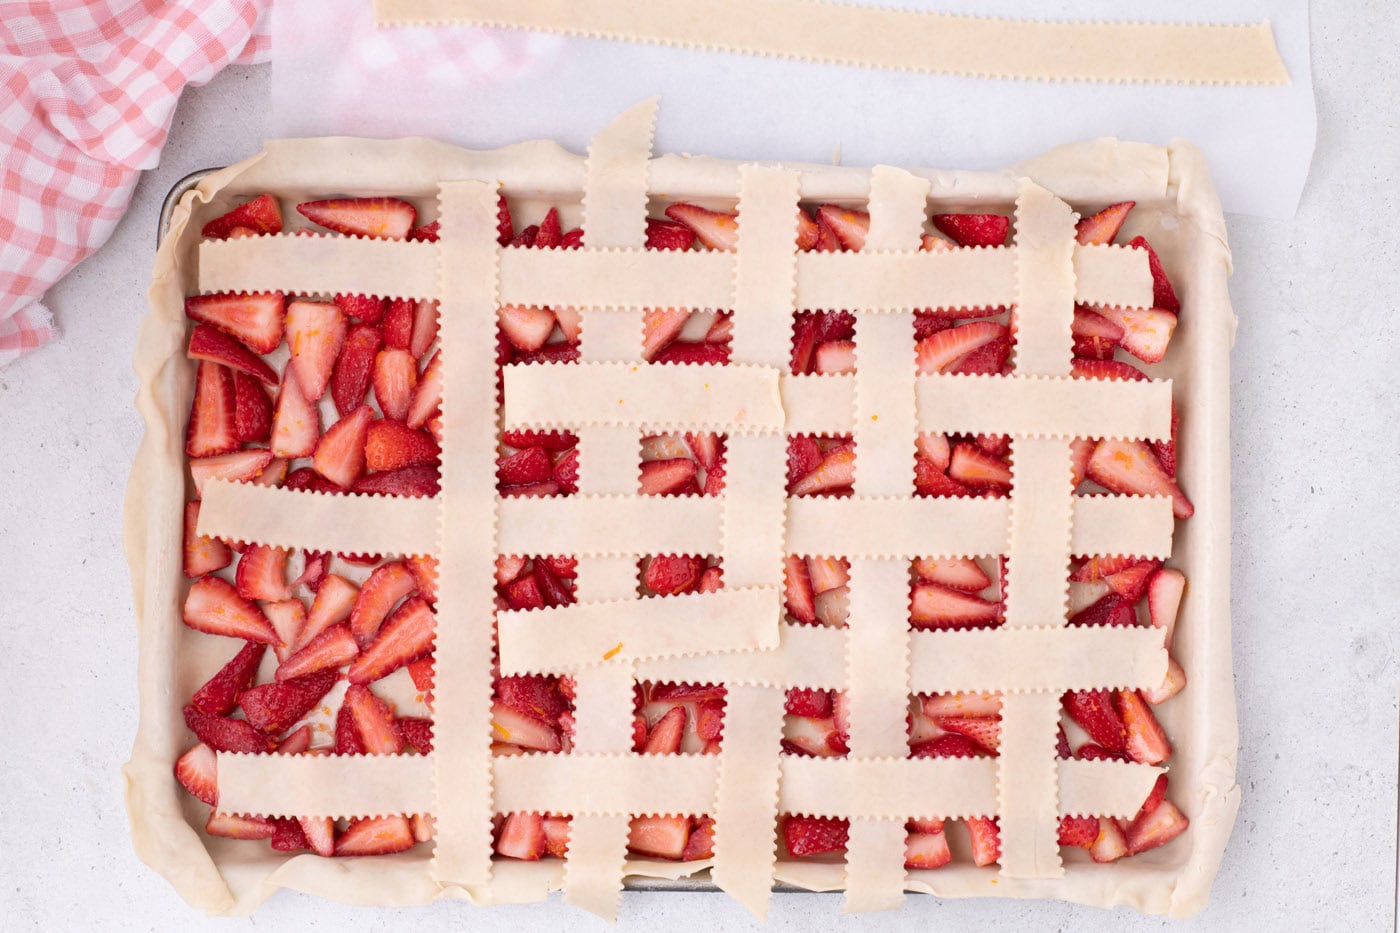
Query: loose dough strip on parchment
[906,40]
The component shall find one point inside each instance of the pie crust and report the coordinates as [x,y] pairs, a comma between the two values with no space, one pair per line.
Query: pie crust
[733,636]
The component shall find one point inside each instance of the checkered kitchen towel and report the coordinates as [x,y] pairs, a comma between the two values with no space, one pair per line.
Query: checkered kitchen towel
[87,92]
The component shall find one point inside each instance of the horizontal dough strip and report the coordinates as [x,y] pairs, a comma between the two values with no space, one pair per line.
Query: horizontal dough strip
[565,638]
[642,395]
[944,661]
[642,278]
[366,785]
[602,526]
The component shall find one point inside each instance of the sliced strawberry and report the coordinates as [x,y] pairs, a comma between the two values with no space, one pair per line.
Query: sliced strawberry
[659,836]
[261,215]
[376,835]
[1079,831]
[945,350]
[827,240]
[1172,684]
[1130,467]
[527,328]
[315,335]
[429,395]
[532,694]
[948,745]
[197,772]
[288,618]
[973,704]
[274,708]
[986,840]
[549,233]
[411,482]
[239,466]
[667,477]
[319,833]
[214,606]
[296,425]
[219,694]
[421,671]
[213,426]
[425,327]
[1155,826]
[974,229]
[828,573]
[374,720]
[1110,844]
[1146,331]
[417,732]
[935,606]
[262,573]
[808,233]
[384,218]
[572,239]
[1146,741]
[531,465]
[504,225]
[1163,295]
[331,649]
[933,446]
[1131,582]
[667,234]
[1094,711]
[930,481]
[808,835]
[378,596]
[350,377]
[390,445]
[364,308]
[334,600]
[798,590]
[701,843]
[223,734]
[958,573]
[1092,752]
[803,456]
[252,419]
[524,593]
[202,554]
[715,229]
[347,735]
[238,827]
[985,731]
[565,472]
[809,735]
[340,453]
[287,835]
[1164,593]
[835,474]
[837,357]
[1111,610]
[1101,228]
[552,589]
[397,327]
[212,345]
[926,851]
[515,727]
[406,636]
[395,380]
[1099,568]
[254,319]
[665,736]
[522,837]
[669,574]
[850,227]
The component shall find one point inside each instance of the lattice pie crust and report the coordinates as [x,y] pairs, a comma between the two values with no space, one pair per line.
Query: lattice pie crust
[734,636]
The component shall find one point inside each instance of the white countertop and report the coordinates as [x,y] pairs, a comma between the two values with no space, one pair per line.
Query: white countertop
[1316,586]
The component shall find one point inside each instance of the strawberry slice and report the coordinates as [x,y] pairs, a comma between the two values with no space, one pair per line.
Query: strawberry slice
[684,353]
[367,309]
[974,229]
[261,215]
[815,704]
[1093,710]
[296,424]
[219,694]
[930,481]
[1091,752]
[715,229]
[383,218]
[522,837]
[406,636]
[1111,610]
[425,572]
[1156,828]
[315,335]
[378,596]
[665,737]
[331,649]
[412,482]
[835,475]
[549,234]
[213,345]
[254,319]
[828,573]
[376,835]
[809,835]
[262,573]
[659,836]
[835,358]
[986,840]
[985,731]
[223,734]
[374,721]
[1110,844]
[197,772]
[350,377]
[530,465]
[1163,295]
[660,326]
[701,843]
[398,323]
[390,445]
[319,834]
[425,327]
[1164,593]
[428,398]
[274,708]
[347,735]
[202,554]
[972,704]
[505,227]
[935,606]
[1146,331]
[238,827]
[669,574]
[334,600]
[239,466]
[252,416]
[1146,741]
[288,836]
[926,851]
[1130,467]
[1131,582]
[417,732]
[945,350]
[667,477]
[1166,450]
[395,380]
[516,728]
[958,573]
[1172,684]
[532,694]
[428,233]
[667,234]
[798,593]
[288,618]
[213,606]
[213,415]
[527,328]
[340,453]
[808,233]
[972,466]
[850,227]
[1081,832]
[808,735]
[1101,228]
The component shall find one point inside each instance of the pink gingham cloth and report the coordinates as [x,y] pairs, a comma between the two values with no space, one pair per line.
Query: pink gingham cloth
[87,92]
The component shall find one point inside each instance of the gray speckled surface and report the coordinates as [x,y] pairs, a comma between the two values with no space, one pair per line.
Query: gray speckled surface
[1316,586]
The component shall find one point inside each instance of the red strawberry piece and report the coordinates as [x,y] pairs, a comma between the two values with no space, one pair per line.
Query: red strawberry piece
[986,840]
[422,673]
[378,596]
[1099,568]
[715,229]
[550,234]
[1156,828]
[252,419]
[418,732]
[395,380]
[1093,348]
[798,594]
[709,723]
[213,426]
[1130,467]
[928,323]
[288,618]
[319,832]
[659,836]
[197,772]
[522,837]
[926,850]
[835,358]
[261,215]
[989,359]
[803,456]
[1166,450]
[425,327]
[706,447]
[202,554]
[364,308]
[808,233]
[406,636]
[667,477]
[262,573]
[682,353]
[214,606]
[833,476]
[254,319]
[1093,710]
[347,734]
[1107,369]
[1062,749]
[1163,295]
[930,481]
[935,606]
[532,694]
[238,827]
[331,649]
[504,225]
[1090,751]
[1146,741]
[308,479]
[428,233]
[686,692]
[948,745]
[1111,610]
[565,472]
[667,234]
[1154,797]
[972,466]
[526,327]
[850,226]
[296,424]
[315,335]
[665,736]
[398,323]
[530,465]
[572,239]
[998,445]
[390,445]
[384,218]
[959,573]
[350,377]
[670,574]
[804,343]
[275,707]
[1079,831]
[376,835]
[287,835]
[660,326]
[1101,228]
[223,734]
[429,395]
[517,728]
[524,593]
[974,229]
[552,590]
[219,694]
[340,453]
[809,835]
[834,325]
[806,702]
[827,240]
[1089,322]
[1146,331]
[701,843]
[526,237]
[374,720]
[1164,593]
[239,466]
[213,345]
[552,441]
[985,731]
[945,350]
[412,482]
[1131,582]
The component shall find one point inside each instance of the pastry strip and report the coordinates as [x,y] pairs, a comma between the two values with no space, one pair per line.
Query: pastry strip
[1027,786]
[905,40]
[874,865]
[320,264]
[606,784]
